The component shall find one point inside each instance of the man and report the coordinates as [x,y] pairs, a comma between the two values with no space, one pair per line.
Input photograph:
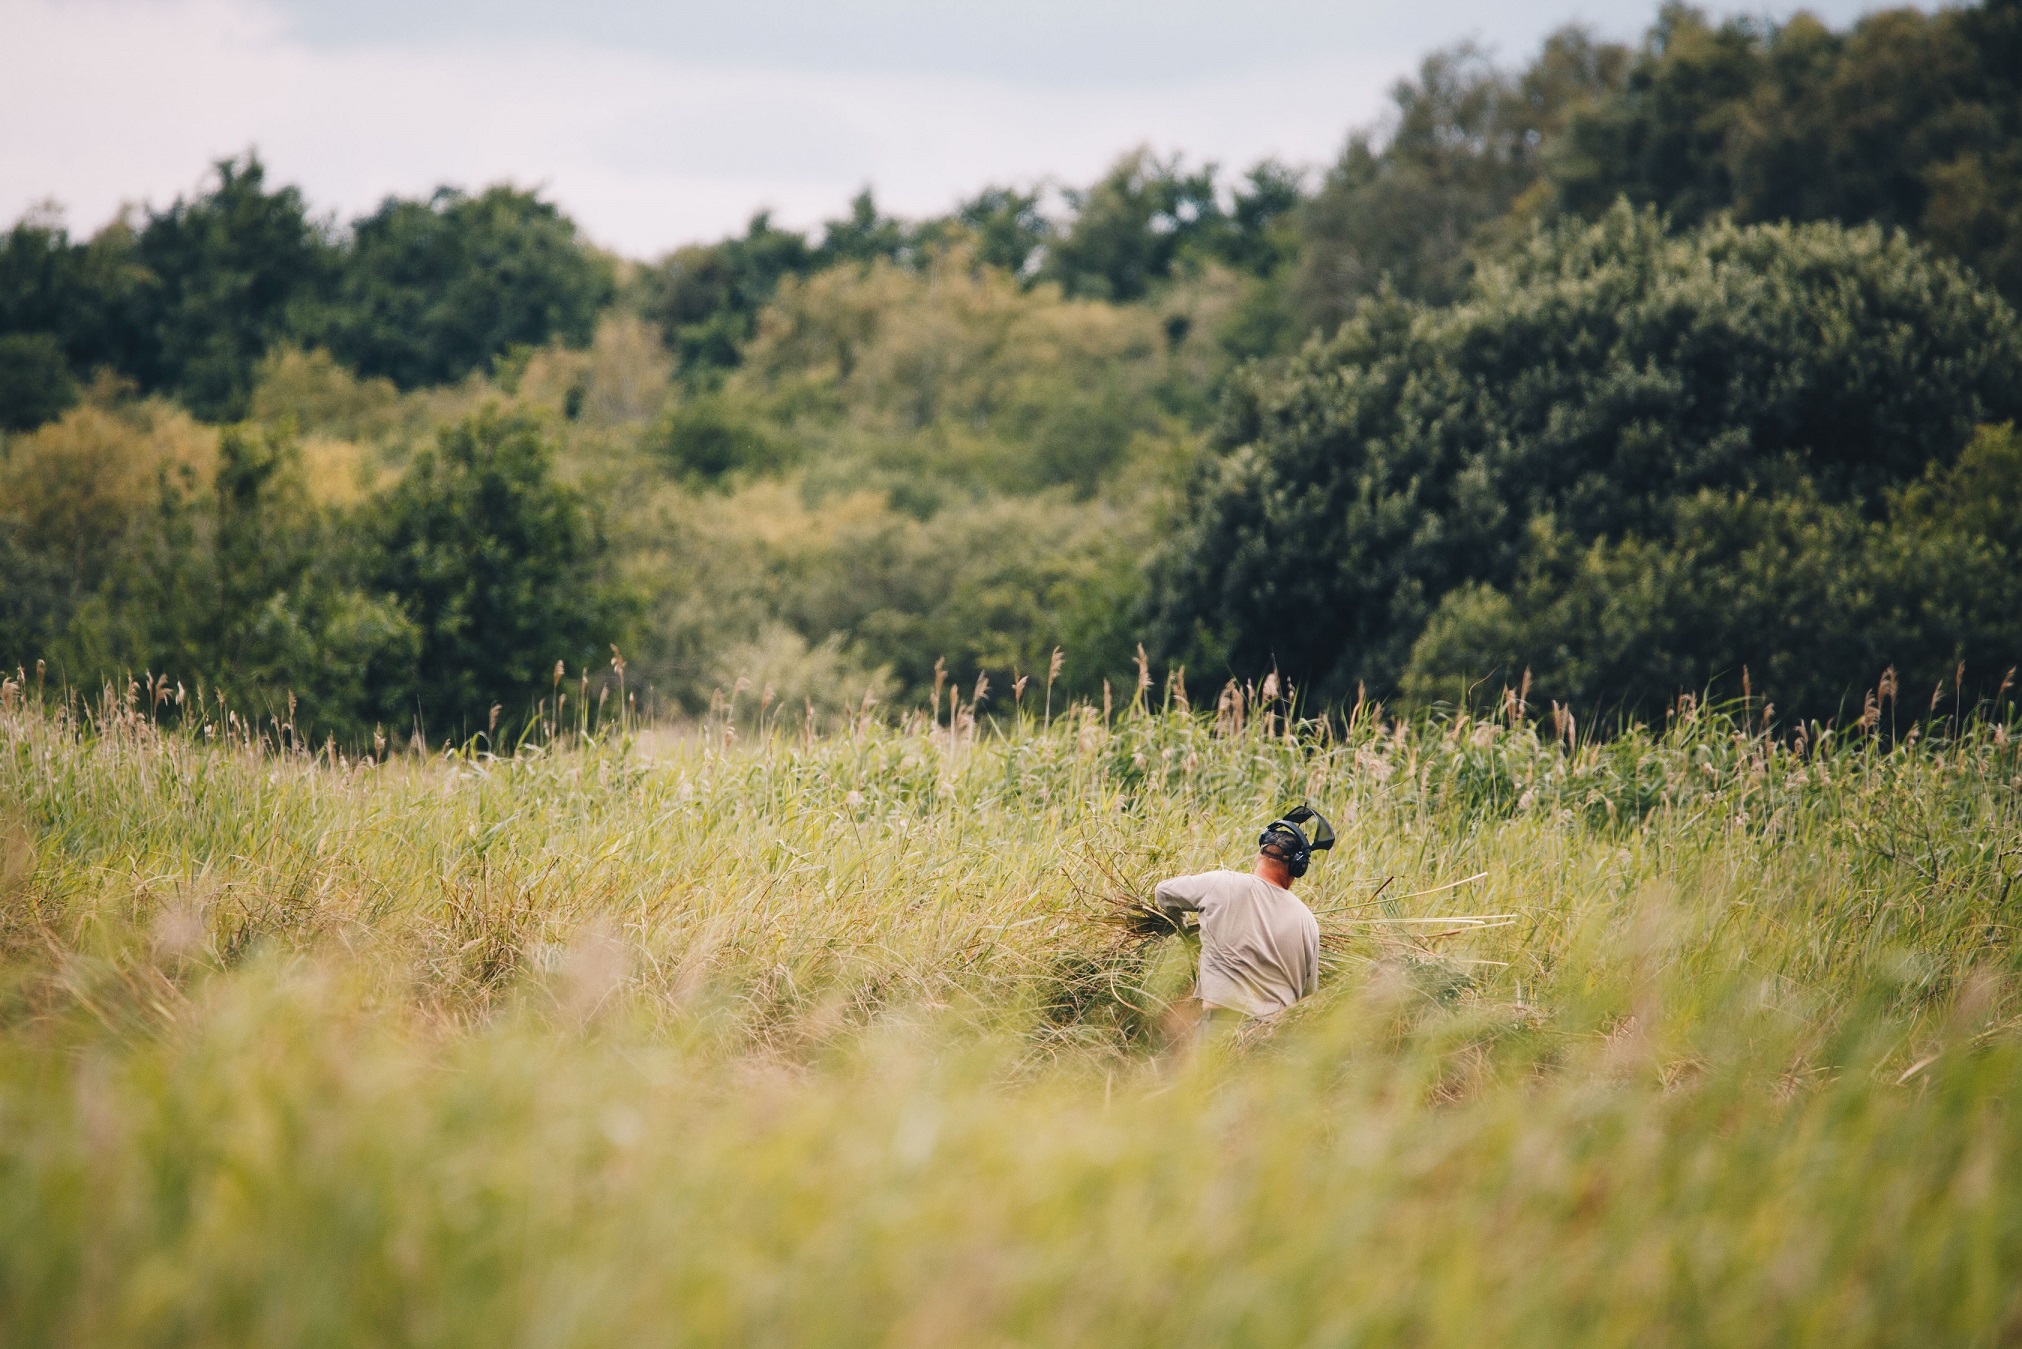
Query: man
[1260,947]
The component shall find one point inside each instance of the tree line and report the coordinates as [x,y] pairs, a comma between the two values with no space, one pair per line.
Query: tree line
[132,547]
[185,300]
[1626,463]
[1906,119]
[1620,372]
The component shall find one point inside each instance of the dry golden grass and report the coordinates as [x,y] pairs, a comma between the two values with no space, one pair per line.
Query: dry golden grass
[707,1037]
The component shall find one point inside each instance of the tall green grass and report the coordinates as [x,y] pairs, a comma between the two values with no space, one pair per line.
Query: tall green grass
[700,1038]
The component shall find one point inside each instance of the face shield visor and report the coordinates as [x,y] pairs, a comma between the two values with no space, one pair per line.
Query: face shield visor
[1295,836]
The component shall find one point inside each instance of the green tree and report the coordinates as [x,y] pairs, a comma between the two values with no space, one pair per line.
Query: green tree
[945,382]
[1132,225]
[1007,226]
[1812,600]
[128,547]
[35,381]
[431,291]
[706,297]
[1407,210]
[37,274]
[77,499]
[227,274]
[1600,374]
[279,617]
[1258,234]
[503,570]
[711,438]
[864,236]
[85,296]
[1909,119]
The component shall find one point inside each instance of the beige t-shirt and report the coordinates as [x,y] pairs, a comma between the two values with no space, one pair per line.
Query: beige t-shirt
[1260,947]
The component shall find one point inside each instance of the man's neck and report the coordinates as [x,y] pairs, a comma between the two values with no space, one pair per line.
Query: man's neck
[1275,872]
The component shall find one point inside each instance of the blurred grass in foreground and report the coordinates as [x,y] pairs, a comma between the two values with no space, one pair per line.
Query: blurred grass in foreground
[834,1040]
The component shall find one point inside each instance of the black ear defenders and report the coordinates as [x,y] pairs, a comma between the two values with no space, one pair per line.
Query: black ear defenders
[1286,838]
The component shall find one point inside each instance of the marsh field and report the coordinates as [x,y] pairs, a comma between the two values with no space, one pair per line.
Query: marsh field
[550,798]
[759,1036]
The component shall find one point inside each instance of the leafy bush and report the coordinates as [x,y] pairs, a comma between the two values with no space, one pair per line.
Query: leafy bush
[956,380]
[1812,600]
[141,543]
[876,597]
[709,438]
[502,570]
[994,586]
[1584,387]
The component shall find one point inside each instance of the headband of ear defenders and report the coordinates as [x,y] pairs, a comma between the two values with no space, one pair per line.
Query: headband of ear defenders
[1286,838]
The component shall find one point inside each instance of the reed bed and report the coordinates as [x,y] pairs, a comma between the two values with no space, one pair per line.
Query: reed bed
[1699,1035]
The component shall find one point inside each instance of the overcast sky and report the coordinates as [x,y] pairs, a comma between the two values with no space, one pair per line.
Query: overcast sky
[655,124]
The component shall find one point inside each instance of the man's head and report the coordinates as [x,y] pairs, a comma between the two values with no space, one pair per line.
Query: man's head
[1285,849]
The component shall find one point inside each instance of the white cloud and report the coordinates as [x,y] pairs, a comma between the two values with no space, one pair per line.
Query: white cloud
[106,101]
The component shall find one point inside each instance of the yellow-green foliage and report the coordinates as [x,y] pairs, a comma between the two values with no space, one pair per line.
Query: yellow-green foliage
[77,485]
[85,503]
[955,372]
[719,1040]
[909,467]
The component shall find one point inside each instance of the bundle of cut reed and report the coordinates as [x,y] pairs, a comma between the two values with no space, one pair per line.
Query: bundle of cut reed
[1138,919]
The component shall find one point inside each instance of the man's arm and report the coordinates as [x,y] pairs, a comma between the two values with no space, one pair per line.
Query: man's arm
[1181,894]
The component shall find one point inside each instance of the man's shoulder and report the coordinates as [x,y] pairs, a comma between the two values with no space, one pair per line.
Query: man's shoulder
[1220,881]
[1291,904]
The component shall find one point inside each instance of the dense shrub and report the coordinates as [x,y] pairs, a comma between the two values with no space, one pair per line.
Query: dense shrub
[991,587]
[708,439]
[500,567]
[1813,600]
[138,542]
[762,585]
[1582,389]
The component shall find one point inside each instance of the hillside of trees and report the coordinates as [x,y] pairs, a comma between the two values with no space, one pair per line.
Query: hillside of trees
[1609,375]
